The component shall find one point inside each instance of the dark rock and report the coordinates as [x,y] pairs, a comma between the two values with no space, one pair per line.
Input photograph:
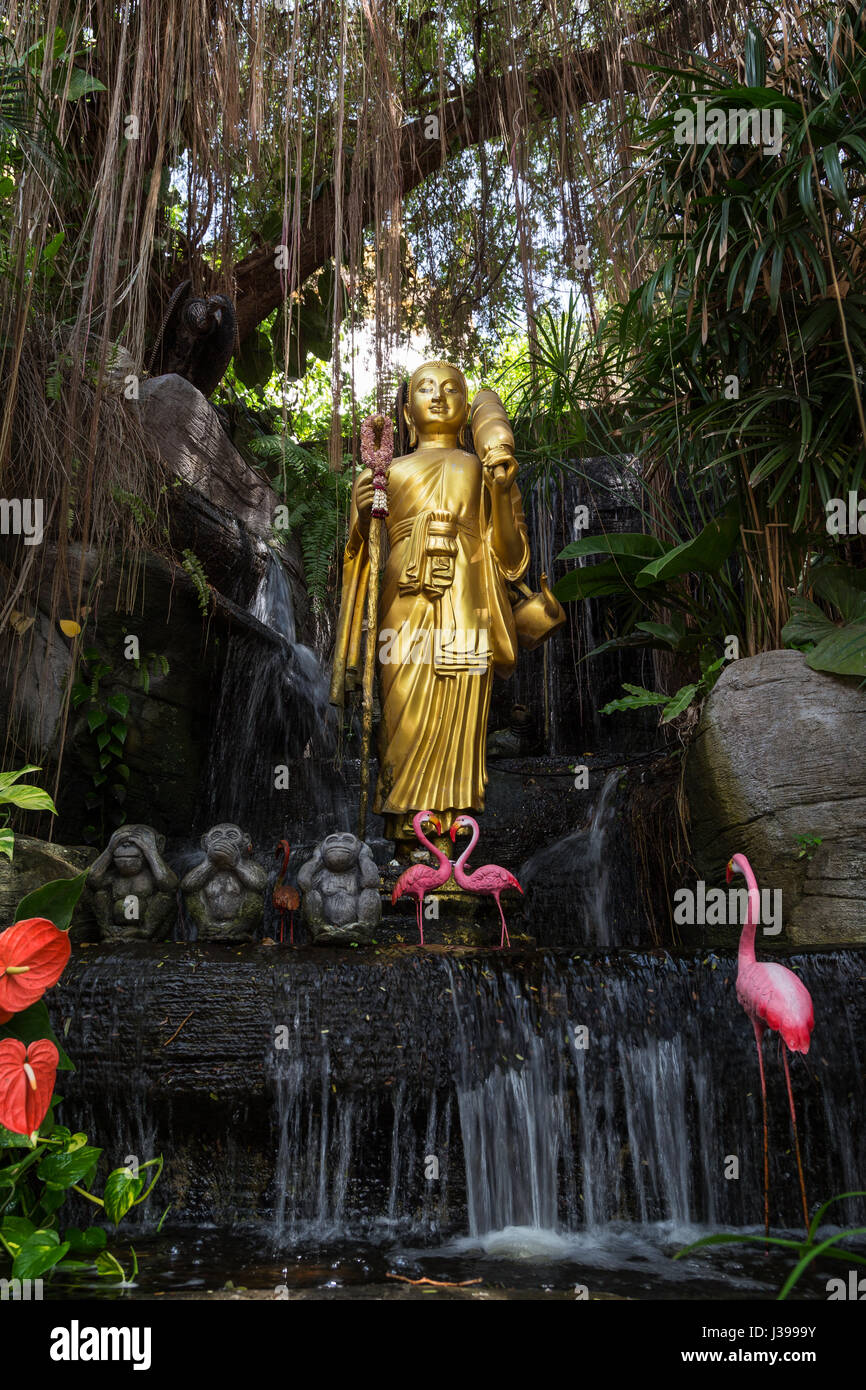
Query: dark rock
[36,862]
[778,756]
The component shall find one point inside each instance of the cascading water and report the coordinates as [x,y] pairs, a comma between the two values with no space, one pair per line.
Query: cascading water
[598,925]
[274,738]
[570,881]
[587,1092]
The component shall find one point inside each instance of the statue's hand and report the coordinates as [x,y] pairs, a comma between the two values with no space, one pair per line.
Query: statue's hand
[364,495]
[499,475]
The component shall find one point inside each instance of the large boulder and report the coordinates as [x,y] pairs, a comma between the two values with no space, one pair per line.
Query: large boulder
[192,441]
[36,862]
[778,761]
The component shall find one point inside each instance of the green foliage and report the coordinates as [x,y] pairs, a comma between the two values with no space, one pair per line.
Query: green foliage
[34,1185]
[807,845]
[672,705]
[193,568]
[747,272]
[807,1250]
[38,1171]
[25,798]
[315,507]
[105,716]
[56,900]
[147,666]
[838,647]
[730,378]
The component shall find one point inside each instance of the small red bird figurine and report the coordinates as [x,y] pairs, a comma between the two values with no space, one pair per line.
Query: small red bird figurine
[420,879]
[490,878]
[776,999]
[285,897]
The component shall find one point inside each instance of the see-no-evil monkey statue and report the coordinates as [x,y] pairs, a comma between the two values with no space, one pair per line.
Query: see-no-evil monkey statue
[133,889]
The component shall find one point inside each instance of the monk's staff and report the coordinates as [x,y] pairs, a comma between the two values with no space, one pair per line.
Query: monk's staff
[377,450]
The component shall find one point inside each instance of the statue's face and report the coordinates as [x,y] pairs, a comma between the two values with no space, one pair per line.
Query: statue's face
[128,859]
[437,405]
[226,843]
[340,851]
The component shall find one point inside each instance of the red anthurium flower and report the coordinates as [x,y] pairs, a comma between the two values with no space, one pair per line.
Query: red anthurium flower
[33,956]
[26,1083]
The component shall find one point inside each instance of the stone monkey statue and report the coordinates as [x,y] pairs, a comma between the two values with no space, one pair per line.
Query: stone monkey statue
[196,338]
[132,887]
[340,885]
[224,893]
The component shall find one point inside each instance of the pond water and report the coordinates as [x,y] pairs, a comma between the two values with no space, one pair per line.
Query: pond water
[621,1260]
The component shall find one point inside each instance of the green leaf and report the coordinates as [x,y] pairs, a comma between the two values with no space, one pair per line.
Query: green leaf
[119,703]
[254,363]
[671,636]
[841,586]
[640,698]
[28,798]
[678,703]
[7,842]
[706,553]
[626,543]
[39,1253]
[95,719]
[756,57]
[121,1191]
[15,1230]
[596,581]
[88,1242]
[61,1170]
[835,177]
[31,1024]
[842,652]
[109,1267]
[812,1253]
[7,778]
[81,84]
[55,900]
[808,623]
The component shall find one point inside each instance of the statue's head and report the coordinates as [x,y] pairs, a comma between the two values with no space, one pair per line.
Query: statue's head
[437,403]
[127,846]
[340,851]
[226,843]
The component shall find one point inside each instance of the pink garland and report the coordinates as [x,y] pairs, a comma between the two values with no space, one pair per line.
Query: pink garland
[377,459]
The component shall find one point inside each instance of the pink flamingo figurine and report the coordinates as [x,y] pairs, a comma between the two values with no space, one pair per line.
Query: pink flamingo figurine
[775,999]
[490,878]
[285,897]
[420,879]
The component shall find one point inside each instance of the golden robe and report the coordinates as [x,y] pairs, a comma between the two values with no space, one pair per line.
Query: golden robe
[445,625]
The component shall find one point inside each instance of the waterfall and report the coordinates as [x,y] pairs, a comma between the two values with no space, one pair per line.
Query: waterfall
[274,736]
[563,1093]
[570,882]
[598,924]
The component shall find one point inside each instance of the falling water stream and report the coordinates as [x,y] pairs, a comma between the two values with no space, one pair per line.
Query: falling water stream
[271,763]
[572,1109]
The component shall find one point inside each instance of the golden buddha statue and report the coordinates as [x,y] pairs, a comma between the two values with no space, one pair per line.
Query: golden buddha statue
[456,539]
